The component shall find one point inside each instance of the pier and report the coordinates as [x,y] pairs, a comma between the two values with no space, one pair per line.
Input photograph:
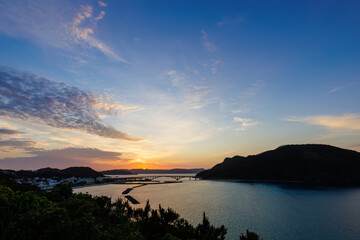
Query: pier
[146,180]
[131,199]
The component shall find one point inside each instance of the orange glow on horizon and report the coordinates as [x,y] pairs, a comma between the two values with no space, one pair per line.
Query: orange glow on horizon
[141,164]
[135,165]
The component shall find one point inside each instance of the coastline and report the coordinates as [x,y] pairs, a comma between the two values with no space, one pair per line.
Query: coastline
[287,183]
[125,193]
[97,184]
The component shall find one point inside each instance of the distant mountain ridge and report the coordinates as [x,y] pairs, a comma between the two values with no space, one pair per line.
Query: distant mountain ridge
[117,172]
[166,171]
[308,163]
[86,172]
[48,172]
[152,171]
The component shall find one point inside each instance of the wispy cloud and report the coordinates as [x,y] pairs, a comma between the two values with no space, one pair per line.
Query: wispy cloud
[100,16]
[214,66]
[239,111]
[346,121]
[33,20]
[81,31]
[236,20]
[17,143]
[199,87]
[335,89]
[107,106]
[194,97]
[254,89]
[62,158]
[245,123]
[6,131]
[339,88]
[27,97]
[208,45]
[175,77]
[102,4]
[81,154]
[12,144]
[46,25]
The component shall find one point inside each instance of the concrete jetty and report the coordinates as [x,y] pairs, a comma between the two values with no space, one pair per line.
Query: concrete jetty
[131,199]
[127,191]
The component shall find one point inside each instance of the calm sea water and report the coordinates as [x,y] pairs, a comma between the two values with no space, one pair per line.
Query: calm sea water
[275,212]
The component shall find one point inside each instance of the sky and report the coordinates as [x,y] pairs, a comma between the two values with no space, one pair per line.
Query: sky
[174,84]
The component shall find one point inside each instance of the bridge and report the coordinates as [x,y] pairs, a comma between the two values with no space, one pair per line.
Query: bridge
[152,177]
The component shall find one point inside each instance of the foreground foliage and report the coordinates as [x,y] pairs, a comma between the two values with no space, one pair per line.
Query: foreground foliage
[249,236]
[26,213]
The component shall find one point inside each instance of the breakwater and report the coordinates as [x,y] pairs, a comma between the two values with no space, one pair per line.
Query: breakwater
[133,200]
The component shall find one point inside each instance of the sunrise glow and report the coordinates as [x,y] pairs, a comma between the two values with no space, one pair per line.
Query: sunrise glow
[171,85]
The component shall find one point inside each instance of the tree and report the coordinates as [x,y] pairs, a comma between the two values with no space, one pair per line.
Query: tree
[207,231]
[61,214]
[249,236]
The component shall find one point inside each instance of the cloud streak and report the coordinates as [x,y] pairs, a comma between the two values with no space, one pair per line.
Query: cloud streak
[62,158]
[192,96]
[43,23]
[81,31]
[346,121]
[31,98]
[13,144]
[254,89]
[245,123]
[236,20]
[17,143]
[340,88]
[5,131]
[208,45]
[102,4]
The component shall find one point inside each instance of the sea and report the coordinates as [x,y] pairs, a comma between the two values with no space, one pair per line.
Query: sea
[274,211]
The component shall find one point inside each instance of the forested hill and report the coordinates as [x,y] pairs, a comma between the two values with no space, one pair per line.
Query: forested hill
[309,163]
[82,172]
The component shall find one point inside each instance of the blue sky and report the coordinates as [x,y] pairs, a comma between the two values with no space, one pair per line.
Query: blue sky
[163,84]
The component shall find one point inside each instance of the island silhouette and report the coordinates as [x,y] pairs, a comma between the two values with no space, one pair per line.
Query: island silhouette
[314,164]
